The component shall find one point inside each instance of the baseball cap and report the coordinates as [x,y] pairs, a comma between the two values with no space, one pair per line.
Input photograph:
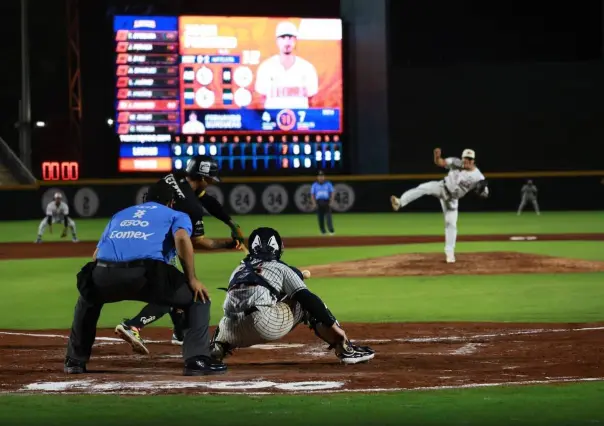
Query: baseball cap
[286,28]
[468,153]
[58,195]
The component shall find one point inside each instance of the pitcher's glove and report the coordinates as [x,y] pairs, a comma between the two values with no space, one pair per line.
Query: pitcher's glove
[482,188]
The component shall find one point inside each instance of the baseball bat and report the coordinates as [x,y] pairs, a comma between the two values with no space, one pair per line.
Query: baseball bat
[244,249]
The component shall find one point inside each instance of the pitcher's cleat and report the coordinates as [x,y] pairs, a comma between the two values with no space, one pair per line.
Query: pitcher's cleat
[395,202]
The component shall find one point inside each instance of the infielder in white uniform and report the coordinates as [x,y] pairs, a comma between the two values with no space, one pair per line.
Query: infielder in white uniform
[462,178]
[57,211]
[286,80]
[266,299]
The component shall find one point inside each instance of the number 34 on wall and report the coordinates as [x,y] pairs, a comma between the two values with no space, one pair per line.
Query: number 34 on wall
[65,170]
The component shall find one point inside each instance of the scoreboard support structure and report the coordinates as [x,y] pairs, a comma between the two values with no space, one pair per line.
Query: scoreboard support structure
[74,77]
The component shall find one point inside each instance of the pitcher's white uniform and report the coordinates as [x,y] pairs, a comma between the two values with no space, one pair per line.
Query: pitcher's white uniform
[454,186]
[57,213]
[273,318]
[286,88]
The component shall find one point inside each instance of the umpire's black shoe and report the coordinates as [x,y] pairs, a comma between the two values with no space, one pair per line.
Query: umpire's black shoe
[73,366]
[202,366]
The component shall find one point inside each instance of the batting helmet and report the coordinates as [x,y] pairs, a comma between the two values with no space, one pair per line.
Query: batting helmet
[265,244]
[203,166]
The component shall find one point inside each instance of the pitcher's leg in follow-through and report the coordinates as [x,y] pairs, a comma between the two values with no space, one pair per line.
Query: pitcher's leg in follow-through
[434,188]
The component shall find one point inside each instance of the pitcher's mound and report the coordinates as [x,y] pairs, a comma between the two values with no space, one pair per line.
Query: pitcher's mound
[486,263]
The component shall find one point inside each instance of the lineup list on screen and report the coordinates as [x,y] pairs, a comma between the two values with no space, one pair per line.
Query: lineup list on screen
[194,85]
[147,89]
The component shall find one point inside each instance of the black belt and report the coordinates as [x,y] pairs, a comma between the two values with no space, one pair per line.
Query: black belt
[131,264]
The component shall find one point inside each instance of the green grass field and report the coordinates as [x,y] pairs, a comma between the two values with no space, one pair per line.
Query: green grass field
[40,294]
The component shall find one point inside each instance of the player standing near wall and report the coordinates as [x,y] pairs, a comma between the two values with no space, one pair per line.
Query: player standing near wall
[322,194]
[462,178]
[529,194]
[57,211]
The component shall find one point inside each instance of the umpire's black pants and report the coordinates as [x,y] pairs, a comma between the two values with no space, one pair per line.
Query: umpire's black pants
[324,214]
[146,281]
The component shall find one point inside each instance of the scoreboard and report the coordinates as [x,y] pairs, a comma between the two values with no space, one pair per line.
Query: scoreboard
[258,94]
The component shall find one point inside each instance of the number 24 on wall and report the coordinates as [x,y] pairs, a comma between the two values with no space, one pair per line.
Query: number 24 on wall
[53,170]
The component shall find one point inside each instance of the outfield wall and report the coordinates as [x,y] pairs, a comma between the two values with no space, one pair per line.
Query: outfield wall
[260,196]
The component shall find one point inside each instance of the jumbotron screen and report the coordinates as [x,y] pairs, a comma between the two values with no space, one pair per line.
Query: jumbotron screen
[258,94]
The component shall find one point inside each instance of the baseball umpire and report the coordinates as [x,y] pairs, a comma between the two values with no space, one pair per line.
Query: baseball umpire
[133,262]
[191,196]
[266,299]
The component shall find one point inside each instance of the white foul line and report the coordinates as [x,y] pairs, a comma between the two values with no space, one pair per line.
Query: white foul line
[449,339]
[445,339]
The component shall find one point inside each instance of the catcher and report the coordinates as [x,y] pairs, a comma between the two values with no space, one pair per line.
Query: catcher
[266,299]
[189,187]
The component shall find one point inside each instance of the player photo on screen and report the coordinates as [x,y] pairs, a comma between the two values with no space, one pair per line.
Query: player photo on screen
[193,126]
[286,80]
[248,74]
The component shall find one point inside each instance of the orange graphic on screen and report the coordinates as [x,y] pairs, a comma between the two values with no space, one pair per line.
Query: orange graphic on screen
[284,63]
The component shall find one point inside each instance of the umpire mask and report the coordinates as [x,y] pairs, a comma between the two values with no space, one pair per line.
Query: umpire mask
[265,244]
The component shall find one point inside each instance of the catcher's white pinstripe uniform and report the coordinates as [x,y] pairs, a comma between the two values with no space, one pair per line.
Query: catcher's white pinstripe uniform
[273,318]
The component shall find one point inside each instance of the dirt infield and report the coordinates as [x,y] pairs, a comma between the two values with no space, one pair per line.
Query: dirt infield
[408,356]
[422,356]
[86,248]
[486,263]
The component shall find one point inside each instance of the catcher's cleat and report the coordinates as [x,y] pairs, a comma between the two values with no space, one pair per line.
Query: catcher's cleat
[351,354]
[395,202]
[203,366]
[131,335]
[73,366]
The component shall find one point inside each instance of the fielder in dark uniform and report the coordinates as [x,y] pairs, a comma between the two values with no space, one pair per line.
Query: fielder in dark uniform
[133,262]
[322,194]
[189,187]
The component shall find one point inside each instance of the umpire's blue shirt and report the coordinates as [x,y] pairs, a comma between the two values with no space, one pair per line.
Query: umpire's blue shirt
[141,232]
[321,191]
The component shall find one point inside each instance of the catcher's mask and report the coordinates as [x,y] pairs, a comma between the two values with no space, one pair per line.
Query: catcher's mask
[265,244]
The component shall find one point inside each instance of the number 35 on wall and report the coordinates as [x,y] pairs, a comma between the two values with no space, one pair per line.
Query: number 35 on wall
[54,170]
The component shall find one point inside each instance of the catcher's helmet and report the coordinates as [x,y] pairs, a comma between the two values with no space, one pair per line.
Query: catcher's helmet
[266,244]
[202,166]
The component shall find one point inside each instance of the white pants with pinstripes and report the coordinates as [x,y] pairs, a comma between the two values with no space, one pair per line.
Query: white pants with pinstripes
[266,325]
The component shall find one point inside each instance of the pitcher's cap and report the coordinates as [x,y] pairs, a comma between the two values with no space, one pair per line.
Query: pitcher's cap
[286,28]
[468,153]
